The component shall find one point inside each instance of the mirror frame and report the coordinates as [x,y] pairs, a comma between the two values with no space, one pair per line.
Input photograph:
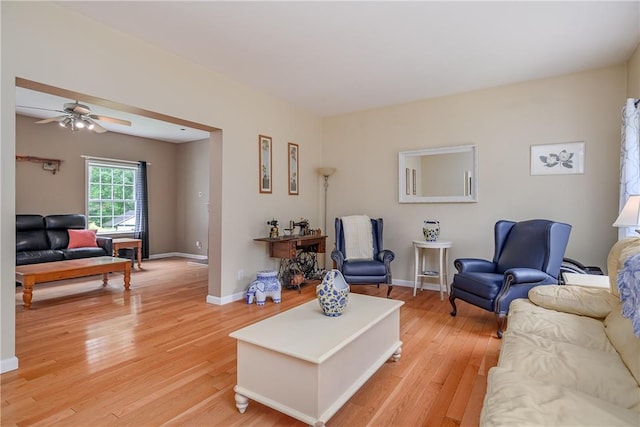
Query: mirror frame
[472,197]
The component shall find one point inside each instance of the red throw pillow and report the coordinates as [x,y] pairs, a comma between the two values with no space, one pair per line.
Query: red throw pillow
[82,239]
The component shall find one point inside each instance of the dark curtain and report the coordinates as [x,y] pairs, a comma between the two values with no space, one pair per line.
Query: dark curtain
[142,209]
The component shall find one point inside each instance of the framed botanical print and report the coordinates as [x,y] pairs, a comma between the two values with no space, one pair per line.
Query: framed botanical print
[557,159]
[264,167]
[294,159]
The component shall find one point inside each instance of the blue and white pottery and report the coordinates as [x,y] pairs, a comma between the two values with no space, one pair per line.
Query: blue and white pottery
[333,293]
[431,230]
[266,285]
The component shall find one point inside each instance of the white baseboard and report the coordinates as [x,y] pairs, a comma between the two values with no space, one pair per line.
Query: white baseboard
[225,300]
[409,284]
[10,364]
[177,254]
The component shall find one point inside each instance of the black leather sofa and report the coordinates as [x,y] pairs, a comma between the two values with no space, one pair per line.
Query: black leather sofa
[45,239]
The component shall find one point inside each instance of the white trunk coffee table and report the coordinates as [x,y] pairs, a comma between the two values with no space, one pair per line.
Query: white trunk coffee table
[307,365]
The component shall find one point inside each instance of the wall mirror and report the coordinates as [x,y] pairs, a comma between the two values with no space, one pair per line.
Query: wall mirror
[439,175]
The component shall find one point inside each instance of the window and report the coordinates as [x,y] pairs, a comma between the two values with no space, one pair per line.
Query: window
[111,197]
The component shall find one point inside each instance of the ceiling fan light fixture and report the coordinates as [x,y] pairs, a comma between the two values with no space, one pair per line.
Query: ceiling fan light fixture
[78,116]
[87,123]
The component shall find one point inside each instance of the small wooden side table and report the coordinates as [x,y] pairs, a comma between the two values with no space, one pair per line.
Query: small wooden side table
[128,243]
[420,247]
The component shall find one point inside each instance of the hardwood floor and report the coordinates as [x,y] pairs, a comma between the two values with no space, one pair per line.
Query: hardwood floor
[160,355]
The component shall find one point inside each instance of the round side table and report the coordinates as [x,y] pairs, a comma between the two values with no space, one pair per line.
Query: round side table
[420,269]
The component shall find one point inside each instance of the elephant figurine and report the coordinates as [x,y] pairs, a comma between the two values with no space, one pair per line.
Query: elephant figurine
[267,285]
[251,294]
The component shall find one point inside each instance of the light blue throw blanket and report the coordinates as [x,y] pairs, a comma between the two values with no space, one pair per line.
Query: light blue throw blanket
[629,288]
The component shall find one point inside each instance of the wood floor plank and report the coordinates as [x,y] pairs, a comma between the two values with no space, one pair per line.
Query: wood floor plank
[160,355]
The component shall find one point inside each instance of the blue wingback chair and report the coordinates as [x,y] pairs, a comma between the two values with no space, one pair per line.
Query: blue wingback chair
[360,271]
[527,254]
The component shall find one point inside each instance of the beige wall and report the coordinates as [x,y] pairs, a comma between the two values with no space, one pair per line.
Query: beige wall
[633,75]
[192,197]
[364,147]
[38,191]
[109,65]
[504,122]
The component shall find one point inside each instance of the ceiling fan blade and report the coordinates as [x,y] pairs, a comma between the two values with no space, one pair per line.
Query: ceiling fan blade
[38,108]
[96,127]
[111,120]
[78,108]
[52,119]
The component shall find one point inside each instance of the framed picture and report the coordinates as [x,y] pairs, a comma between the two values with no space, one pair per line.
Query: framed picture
[557,159]
[264,168]
[294,159]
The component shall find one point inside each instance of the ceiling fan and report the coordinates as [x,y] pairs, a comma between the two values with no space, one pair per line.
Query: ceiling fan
[78,116]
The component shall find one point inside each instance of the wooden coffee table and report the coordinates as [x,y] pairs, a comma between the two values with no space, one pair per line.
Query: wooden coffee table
[29,275]
[307,365]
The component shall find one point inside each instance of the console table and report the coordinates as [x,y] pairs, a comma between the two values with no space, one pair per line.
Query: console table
[420,247]
[287,246]
[289,249]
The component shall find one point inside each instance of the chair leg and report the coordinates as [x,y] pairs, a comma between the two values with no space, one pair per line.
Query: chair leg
[390,287]
[501,319]
[453,305]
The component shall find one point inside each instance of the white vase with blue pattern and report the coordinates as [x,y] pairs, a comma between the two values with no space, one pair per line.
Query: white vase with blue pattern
[431,230]
[333,293]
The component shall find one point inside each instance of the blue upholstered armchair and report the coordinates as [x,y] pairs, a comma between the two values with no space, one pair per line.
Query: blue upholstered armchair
[527,254]
[373,270]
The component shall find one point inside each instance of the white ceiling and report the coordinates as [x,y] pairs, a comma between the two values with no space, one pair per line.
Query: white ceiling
[338,57]
[140,126]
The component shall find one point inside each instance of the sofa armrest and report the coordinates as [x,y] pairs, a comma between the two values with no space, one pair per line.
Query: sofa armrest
[386,256]
[464,265]
[105,243]
[529,276]
[592,302]
[338,258]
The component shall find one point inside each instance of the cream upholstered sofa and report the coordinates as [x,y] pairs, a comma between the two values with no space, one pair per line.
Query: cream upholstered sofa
[568,357]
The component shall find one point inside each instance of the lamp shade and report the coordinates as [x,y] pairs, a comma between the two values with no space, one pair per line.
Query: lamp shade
[630,215]
[326,171]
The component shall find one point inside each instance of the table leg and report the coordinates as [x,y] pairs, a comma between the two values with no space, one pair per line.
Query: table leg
[444,268]
[27,292]
[396,355]
[416,251]
[105,279]
[441,272]
[241,402]
[127,276]
[139,254]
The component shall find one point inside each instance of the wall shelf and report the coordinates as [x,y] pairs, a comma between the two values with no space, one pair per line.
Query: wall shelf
[50,165]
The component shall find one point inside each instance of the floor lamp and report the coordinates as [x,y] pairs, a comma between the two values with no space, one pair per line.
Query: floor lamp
[325,173]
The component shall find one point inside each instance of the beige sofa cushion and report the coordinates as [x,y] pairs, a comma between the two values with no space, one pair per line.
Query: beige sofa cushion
[528,318]
[620,333]
[601,374]
[583,301]
[516,400]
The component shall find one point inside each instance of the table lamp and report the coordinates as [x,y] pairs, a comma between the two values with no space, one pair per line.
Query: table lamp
[630,214]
